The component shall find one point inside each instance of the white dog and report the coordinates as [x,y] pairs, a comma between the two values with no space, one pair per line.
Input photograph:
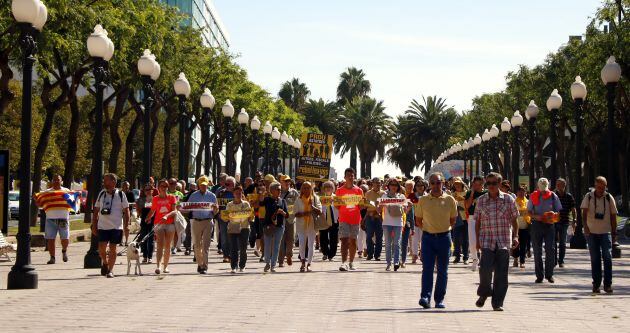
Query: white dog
[133,253]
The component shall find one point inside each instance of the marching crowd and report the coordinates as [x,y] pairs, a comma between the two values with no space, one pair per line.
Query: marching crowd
[436,222]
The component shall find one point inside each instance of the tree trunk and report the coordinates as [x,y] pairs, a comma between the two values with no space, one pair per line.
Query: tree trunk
[167,166]
[73,136]
[199,153]
[130,174]
[6,95]
[427,165]
[121,100]
[353,158]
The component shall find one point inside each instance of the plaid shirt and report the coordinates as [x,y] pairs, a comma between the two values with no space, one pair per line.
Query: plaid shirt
[495,217]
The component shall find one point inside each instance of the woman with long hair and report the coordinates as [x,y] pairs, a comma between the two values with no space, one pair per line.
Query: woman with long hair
[163,211]
[306,206]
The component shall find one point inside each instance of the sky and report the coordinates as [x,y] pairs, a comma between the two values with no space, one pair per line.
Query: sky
[408,49]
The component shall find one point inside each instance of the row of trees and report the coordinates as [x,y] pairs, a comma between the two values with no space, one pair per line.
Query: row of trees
[64,100]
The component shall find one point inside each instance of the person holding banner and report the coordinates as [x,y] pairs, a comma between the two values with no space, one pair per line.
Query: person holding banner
[57,218]
[240,213]
[163,209]
[392,206]
[348,198]
[307,207]
[329,237]
[202,222]
[273,224]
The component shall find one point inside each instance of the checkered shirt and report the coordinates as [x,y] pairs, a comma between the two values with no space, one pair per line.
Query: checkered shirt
[495,216]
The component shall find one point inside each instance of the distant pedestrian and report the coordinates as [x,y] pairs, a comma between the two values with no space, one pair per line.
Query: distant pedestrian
[290,196]
[202,223]
[471,196]
[125,187]
[568,206]
[523,220]
[420,188]
[349,219]
[460,230]
[374,221]
[393,222]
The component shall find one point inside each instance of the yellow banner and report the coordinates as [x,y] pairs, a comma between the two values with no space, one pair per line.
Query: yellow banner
[290,209]
[252,197]
[326,200]
[240,215]
[348,200]
[224,201]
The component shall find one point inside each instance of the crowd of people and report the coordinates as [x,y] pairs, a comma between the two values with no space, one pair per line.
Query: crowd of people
[436,221]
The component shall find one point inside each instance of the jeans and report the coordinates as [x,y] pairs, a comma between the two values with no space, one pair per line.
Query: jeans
[328,240]
[435,247]
[224,239]
[494,262]
[374,228]
[523,243]
[238,249]
[148,245]
[404,244]
[286,245]
[460,240]
[392,243]
[561,241]
[599,246]
[272,245]
[543,232]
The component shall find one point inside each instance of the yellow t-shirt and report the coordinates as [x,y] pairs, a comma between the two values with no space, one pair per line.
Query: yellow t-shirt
[523,219]
[436,212]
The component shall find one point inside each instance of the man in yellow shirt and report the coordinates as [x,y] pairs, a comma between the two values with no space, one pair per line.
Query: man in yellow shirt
[435,215]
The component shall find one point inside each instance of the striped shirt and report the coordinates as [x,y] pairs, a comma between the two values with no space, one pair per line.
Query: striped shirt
[495,217]
[568,203]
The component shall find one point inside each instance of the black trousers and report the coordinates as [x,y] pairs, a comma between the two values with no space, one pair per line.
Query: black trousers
[493,275]
[238,248]
[328,240]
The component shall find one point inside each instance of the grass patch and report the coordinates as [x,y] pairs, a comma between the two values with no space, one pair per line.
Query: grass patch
[74,225]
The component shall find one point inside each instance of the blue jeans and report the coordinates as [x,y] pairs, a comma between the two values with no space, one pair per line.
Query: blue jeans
[543,232]
[404,244]
[224,238]
[374,228]
[435,247]
[561,241]
[460,240]
[392,243]
[272,244]
[599,245]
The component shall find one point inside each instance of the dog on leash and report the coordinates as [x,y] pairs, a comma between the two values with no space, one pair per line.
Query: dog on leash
[133,253]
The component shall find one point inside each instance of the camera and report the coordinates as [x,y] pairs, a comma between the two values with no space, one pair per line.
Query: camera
[106,211]
[599,216]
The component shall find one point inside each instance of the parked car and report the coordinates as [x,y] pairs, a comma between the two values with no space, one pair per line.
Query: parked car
[14,204]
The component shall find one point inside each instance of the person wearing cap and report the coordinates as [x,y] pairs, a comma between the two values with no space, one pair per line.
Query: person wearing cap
[269,178]
[202,223]
[374,221]
[289,195]
[460,230]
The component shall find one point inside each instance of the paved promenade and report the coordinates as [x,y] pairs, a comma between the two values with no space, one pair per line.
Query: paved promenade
[71,299]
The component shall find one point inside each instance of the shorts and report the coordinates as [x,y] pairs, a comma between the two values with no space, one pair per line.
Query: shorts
[348,230]
[164,228]
[54,226]
[111,236]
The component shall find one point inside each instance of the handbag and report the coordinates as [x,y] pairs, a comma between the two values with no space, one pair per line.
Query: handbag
[321,222]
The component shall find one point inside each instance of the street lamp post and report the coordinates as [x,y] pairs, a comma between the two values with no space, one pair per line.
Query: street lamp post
[228,113]
[298,146]
[283,142]
[517,122]
[267,129]
[578,93]
[531,113]
[494,146]
[182,90]
[485,137]
[275,135]
[101,50]
[506,126]
[464,156]
[243,120]
[471,156]
[611,73]
[149,71]
[207,102]
[31,16]
[478,153]
[255,126]
[290,148]
[553,104]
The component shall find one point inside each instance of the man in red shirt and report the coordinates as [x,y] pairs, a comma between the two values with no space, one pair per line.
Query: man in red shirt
[349,219]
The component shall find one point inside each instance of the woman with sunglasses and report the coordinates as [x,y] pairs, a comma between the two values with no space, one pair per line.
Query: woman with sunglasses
[143,207]
[307,207]
[163,210]
[419,189]
[393,222]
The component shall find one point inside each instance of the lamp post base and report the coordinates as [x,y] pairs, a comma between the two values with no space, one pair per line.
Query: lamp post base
[92,259]
[23,277]
[578,241]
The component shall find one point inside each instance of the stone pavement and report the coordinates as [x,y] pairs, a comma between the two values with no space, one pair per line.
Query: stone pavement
[71,299]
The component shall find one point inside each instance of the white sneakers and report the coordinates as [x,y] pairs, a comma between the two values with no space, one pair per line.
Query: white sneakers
[343,267]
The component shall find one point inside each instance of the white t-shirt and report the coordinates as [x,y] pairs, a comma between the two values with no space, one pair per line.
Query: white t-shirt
[57,214]
[116,203]
[396,221]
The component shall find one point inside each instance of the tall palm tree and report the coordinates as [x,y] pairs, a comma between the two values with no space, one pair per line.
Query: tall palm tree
[404,149]
[353,85]
[366,126]
[294,94]
[322,114]
[434,122]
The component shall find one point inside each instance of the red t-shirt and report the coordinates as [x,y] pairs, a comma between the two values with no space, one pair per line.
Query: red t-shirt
[163,206]
[350,214]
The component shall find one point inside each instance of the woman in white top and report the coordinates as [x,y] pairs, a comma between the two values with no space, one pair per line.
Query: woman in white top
[393,221]
[328,238]
[305,207]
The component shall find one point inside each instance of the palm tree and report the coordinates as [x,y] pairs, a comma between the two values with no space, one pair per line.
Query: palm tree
[323,115]
[366,126]
[433,121]
[352,86]
[404,149]
[294,94]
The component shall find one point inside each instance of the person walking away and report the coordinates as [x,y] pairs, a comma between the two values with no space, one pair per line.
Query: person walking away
[163,210]
[240,214]
[143,207]
[110,218]
[568,206]
[349,219]
[307,207]
[471,196]
[600,229]
[495,216]
[523,220]
[543,207]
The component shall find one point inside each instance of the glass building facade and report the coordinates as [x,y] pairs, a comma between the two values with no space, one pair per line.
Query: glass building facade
[202,14]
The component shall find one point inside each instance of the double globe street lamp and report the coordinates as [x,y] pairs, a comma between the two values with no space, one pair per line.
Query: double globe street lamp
[149,70]
[578,93]
[531,113]
[554,102]
[255,127]
[243,120]
[517,122]
[610,74]
[207,102]
[182,90]
[228,112]
[267,129]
